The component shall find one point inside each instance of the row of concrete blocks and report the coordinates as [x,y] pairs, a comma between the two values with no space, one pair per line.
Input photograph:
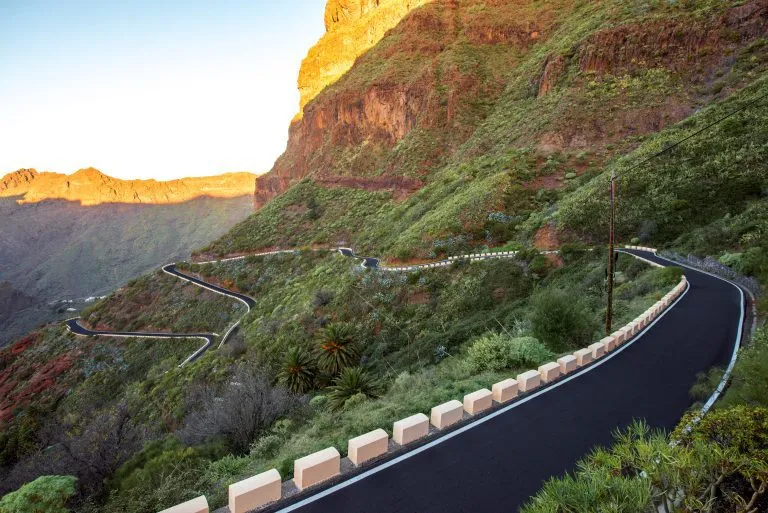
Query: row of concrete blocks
[642,248]
[449,260]
[321,466]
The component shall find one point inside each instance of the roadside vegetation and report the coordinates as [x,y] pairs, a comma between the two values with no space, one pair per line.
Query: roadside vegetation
[719,464]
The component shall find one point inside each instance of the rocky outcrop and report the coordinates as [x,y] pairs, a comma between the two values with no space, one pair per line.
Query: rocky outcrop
[554,66]
[352,27]
[407,104]
[431,75]
[92,187]
[674,45]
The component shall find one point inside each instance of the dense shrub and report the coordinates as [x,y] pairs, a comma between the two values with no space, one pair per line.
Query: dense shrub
[561,320]
[247,406]
[498,351]
[719,464]
[46,494]
[352,383]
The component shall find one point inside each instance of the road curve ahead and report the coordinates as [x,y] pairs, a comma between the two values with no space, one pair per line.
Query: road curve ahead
[500,461]
[247,300]
[75,327]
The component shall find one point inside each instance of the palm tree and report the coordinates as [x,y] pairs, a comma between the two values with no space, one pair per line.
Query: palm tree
[337,349]
[298,371]
[352,381]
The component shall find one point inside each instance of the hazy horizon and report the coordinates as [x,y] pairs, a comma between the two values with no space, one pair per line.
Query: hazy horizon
[151,90]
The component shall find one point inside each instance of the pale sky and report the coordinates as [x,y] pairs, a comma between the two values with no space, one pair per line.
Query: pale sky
[150,89]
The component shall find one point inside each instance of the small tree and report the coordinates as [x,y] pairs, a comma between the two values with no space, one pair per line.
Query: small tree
[298,371]
[351,382]
[560,320]
[337,349]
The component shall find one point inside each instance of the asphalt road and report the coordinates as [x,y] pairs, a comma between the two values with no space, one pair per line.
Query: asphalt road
[496,465]
[369,262]
[74,326]
[171,269]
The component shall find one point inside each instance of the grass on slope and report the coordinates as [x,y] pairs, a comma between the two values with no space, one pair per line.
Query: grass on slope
[304,215]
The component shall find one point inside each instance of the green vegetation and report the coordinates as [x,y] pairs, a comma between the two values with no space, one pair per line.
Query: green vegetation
[46,494]
[561,320]
[353,384]
[160,302]
[499,351]
[719,173]
[749,384]
[305,215]
[720,465]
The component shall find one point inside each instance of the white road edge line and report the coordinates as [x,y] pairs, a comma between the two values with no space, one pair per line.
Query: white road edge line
[235,325]
[739,333]
[482,420]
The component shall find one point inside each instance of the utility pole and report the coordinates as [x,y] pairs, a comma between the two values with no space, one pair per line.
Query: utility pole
[611,241]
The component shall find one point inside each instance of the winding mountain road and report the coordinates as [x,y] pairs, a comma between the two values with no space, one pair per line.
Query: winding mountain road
[498,462]
[74,326]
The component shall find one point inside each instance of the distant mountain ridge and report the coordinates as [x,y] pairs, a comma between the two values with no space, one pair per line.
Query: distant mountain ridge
[92,187]
[84,234]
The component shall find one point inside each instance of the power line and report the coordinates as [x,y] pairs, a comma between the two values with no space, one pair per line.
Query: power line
[691,136]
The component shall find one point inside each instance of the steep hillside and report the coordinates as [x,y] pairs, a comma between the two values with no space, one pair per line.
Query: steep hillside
[485,106]
[352,27]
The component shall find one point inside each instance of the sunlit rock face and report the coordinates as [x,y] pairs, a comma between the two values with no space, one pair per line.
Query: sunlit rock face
[92,187]
[352,27]
[387,69]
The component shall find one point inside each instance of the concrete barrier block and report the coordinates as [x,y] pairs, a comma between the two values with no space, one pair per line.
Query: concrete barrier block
[478,401]
[583,357]
[619,336]
[368,446]
[255,491]
[196,505]
[549,372]
[504,391]
[409,429]
[609,343]
[446,414]
[598,350]
[316,468]
[529,380]
[567,364]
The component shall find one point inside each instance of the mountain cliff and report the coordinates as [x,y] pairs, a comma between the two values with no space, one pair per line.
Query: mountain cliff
[555,76]
[92,187]
[352,27]
[539,93]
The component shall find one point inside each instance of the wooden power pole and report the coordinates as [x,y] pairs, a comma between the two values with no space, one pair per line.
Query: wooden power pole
[611,242]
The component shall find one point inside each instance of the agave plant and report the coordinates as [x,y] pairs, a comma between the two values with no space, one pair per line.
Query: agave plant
[337,349]
[298,371]
[352,381]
